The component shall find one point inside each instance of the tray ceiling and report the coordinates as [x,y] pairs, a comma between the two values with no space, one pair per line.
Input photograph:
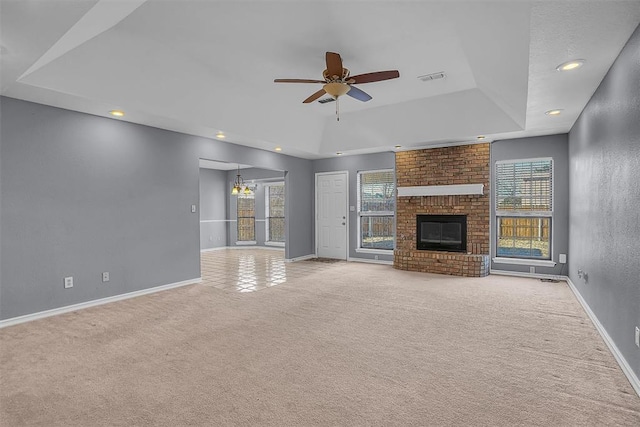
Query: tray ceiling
[202,67]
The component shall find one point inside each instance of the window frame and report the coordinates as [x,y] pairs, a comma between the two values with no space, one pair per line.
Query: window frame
[238,217]
[360,214]
[502,213]
[267,187]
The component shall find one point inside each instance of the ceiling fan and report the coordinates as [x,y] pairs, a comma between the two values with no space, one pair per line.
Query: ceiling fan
[338,81]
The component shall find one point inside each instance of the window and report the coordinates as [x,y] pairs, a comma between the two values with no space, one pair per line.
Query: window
[246,218]
[376,206]
[274,212]
[524,208]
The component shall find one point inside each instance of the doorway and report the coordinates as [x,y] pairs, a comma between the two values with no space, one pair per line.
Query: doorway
[252,218]
[332,199]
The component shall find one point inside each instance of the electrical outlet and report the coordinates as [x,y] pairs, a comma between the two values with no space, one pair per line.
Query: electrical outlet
[68,282]
[532,270]
[105,276]
[562,258]
[375,257]
[637,337]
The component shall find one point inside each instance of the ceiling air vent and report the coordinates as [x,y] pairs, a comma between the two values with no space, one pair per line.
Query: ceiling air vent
[432,76]
[325,100]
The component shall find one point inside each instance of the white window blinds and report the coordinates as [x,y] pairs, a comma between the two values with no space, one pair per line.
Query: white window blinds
[376,192]
[524,187]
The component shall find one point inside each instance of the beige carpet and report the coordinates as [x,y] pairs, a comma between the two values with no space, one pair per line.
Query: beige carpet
[353,344]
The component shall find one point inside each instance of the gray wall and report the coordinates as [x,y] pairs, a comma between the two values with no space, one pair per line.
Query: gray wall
[248,175]
[83,194]
[353,164]
[556,147]
[213,209]
[604,162]
[1,237]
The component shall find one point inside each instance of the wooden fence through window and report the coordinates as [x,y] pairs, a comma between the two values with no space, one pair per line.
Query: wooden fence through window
[524,228]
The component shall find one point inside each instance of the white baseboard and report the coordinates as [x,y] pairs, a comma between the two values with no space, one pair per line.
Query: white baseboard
[219,248]
[370,261]
[55,311]
[301,258]
[529,275]
[631,376]
[275,244]
[272,248]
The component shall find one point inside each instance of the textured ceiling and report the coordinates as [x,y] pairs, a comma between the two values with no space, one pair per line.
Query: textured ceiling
[206,66]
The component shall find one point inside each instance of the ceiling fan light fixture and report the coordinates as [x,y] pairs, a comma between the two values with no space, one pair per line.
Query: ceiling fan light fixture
[336,89]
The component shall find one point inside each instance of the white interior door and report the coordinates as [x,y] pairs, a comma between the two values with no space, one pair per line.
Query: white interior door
[331,217]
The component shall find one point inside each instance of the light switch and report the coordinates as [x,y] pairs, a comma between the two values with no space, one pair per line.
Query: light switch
[193,208]
[352,208]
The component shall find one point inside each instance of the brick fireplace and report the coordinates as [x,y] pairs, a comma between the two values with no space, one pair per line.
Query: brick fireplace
[442,169]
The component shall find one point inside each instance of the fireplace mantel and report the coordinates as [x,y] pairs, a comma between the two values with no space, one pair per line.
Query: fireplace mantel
[441,190]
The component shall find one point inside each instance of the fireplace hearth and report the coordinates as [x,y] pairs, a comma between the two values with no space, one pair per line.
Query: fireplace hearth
[441,233]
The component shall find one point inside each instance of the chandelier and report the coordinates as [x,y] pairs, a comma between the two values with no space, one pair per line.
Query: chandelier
[239,186]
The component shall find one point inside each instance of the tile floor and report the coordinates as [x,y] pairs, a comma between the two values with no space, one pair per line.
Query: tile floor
[250,270]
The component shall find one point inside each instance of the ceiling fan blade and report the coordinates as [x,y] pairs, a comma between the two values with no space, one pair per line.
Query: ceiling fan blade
[298,81]
[334,64]
[315,96]
[375,77]
[358,94]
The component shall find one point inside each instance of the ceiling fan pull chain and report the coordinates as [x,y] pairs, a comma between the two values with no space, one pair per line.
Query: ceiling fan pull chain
[337,108]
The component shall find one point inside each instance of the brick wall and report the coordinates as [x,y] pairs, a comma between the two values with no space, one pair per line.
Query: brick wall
[465,164]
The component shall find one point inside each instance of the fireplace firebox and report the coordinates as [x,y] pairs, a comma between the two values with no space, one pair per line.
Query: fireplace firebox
[442,233]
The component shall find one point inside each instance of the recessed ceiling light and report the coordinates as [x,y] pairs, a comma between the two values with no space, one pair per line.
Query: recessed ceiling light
[220,135]
[570,65]
[278,149]
[398,146]
[481,137]
[553,112]
[117,113]
[339,153]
